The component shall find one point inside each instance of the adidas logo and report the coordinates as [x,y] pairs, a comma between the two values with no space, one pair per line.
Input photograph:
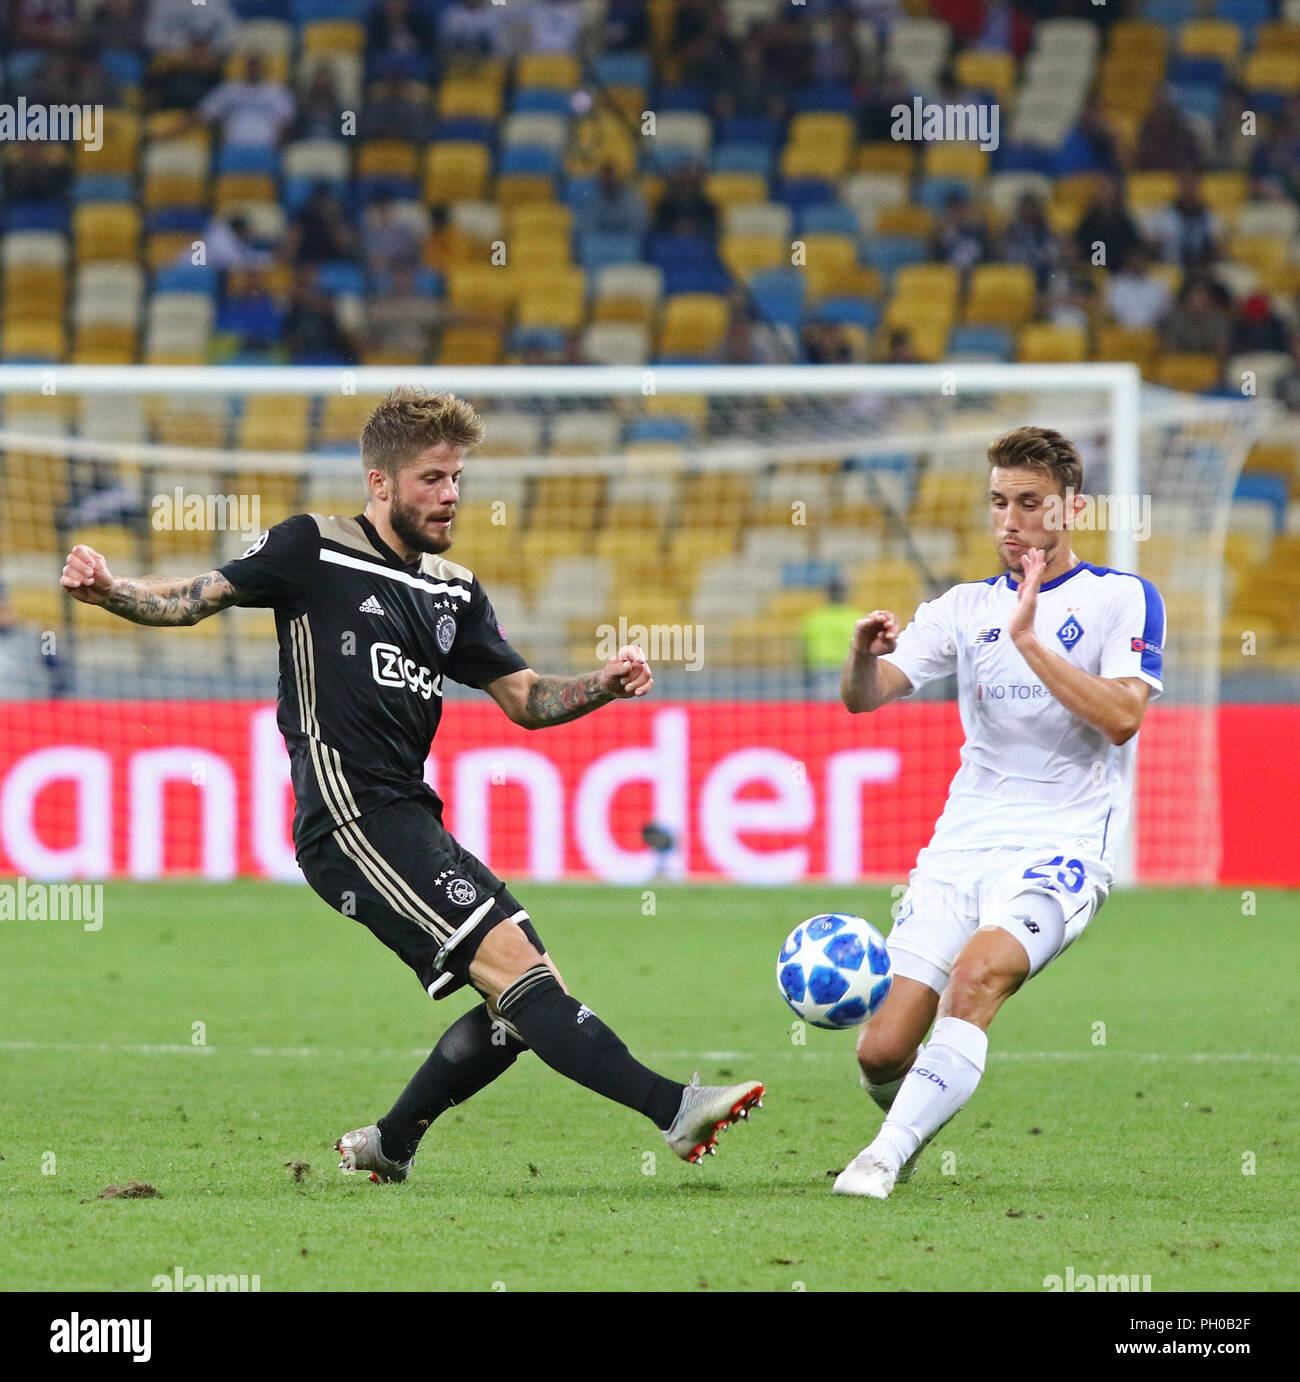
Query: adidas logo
[371,606]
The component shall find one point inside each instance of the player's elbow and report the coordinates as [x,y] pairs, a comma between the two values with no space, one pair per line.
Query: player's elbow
[1125,730]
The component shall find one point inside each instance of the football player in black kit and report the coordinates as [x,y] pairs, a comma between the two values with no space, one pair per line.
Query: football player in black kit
[371,617]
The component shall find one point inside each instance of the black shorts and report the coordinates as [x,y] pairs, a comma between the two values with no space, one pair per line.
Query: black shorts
[398,871]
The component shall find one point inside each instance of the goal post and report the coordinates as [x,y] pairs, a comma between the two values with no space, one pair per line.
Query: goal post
[730,515]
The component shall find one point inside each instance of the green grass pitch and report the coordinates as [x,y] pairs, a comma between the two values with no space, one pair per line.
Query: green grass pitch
[1138,1115]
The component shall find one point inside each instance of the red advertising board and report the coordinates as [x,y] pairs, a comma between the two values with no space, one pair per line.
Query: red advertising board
[755,792]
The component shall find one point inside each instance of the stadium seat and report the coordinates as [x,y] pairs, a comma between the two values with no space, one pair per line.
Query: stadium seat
[746,255]
[693,325]
[1040,343]
[456,172]
[482,292]
[1188,371]
[555,296]
[1000,295]
[1210,38]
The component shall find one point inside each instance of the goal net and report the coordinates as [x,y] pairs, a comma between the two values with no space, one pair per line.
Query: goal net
[735,521]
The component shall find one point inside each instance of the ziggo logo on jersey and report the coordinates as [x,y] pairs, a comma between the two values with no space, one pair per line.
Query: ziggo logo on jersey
[391,667]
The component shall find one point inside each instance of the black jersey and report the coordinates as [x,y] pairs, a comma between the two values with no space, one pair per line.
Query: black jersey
[365,642]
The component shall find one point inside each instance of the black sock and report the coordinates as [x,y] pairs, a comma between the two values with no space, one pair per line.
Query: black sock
[571,1039]
[471,1053]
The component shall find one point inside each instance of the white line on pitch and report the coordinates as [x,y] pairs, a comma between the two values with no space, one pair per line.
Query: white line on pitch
[801,1053]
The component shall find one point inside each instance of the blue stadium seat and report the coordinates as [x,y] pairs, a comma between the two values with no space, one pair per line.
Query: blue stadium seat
[21,66]
[623,69]
[247,158]
[810,573]
[102,187]
[1201,70]
[406,67]
[304,11]
[257,321]
[190,219]
[34,216]
[548,339]
[847,311]
[261,9]
[935,192]
[379,189]
[1262,485]
[597,248]
[1195,98]
[779,295]
[981,340]
[689,263]
[890,252]
[124,65]
[828,218]
[743,158]
[1023,158]
[468,128]
[823,96]
[660,428]
[1248,15]
[748,129]
[1169,14]
[529,158]
[695,98]
[186,278]
[578,191]
[540,100]
[800,192]
[340,276]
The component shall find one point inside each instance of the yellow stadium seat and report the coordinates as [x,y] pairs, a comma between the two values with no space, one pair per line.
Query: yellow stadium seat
[102,355]
[538,219]
[692,408]
[118,155]
[32,339]
[482,292]
[931,282]
[470,345]
[929,339]
[1126,95]
[956,160]
[986,70]
[576,499]
[1147,191]
[457,171]
[386,158]
[693,323]
[238,189]
[106,230]
[715,498]
[553,296]
[885,156]
[1278,37]
[541,544]
[469,98]
[514,188]
[540,251]
[1132,36]
[735,189]
[554,71]
[894,585]
[600,139]
[164,246]
[1263,253]
[1135,343]
[104,338]
[273,423]
[1276,71]
[905,220]
[1187,370]
[1225,193]
[333,36]
[824,161]
[634,311]
[275,67]
[1001,295]
[746,255]
[1041,343]
[175,189]
[1210,38]
[342,419]
[33,290]
[952,500]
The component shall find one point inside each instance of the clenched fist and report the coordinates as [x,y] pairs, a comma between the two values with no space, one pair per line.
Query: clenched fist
[86,576]
[877,633]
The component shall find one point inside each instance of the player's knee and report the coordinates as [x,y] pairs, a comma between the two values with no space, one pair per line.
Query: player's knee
[884,1053]
[978,984]
[505,955]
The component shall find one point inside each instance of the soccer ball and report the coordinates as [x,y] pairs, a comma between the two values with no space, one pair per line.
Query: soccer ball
[834,970]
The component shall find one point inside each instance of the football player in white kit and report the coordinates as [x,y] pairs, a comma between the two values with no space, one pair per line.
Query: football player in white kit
[1055,661]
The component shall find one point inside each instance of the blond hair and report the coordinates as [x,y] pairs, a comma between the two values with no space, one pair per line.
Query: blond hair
[409,421]
[1039,448]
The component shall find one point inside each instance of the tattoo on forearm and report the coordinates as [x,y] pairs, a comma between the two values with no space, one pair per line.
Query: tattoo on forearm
[555,700]
[164,600]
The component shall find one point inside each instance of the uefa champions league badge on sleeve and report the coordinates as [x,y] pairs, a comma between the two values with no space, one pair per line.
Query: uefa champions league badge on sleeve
[256,547]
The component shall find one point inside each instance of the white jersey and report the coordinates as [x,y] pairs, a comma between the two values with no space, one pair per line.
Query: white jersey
[1031,772]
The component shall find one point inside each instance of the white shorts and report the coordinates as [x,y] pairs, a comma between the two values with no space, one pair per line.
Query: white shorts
[952,892]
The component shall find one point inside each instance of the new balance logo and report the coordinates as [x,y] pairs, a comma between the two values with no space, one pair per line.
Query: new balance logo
[370,606]
[1030,926]
[987,635]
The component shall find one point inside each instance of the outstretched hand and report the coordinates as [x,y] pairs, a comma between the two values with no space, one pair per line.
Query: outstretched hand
[1021,623]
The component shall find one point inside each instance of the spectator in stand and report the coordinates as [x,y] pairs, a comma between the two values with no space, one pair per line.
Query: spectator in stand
[626,27]
[476,28]
[391,113]
[788,51]
[1201,319]
[1233,147]
[320,232]
[41,23]
[1028,240]
[312,334]
[390,243]
[899,349]
[1106,232]
[116,24]
[1275,168]
[1258,327]
[1073,301]
[961,237]
[553,26]
[616,205]
[36,172]
[1187,231]
[253,111]
[401,319]
[825,343]
[745,88]
[1090,145]
[229,244]
[684,208]
[184,82]
[995,32]
[710,60]
[251,317]
[837,58]
[320,115]
[73,75]
[1166,141]
[1136,297]
[174,26]
[881,15]
[876,115]
[825,632]
[395,29]
[24,671]
[753,340]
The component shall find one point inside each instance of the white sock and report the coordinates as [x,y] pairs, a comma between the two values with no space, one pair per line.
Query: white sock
[945,1075]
